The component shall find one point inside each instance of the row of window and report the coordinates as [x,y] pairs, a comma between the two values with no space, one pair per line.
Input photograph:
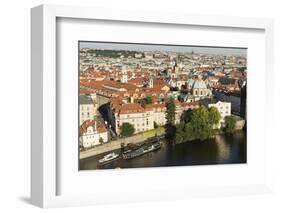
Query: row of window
[82,108]
[221,108]
[201,92]
[88,114]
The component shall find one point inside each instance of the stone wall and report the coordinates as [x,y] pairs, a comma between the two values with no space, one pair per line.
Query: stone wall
[113,145]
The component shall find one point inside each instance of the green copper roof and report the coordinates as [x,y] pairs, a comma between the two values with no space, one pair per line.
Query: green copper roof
[199,84]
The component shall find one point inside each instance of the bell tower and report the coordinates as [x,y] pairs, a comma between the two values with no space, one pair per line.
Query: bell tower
[124,75]
[150,84]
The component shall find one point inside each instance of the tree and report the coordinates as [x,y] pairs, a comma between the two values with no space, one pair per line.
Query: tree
[101,140]
[127,129]
[179,138]
[171,112]
[200,124]
[145,101]
[155,124]
[189,132]
[186,116]
[214,116]
[229,125]
[179,135]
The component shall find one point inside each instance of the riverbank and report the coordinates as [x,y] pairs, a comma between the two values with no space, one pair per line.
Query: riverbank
[114,145]
[223,149]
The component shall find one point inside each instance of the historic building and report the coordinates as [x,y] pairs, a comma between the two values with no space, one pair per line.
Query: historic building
[224,109]
[88,108]
[144,118]
[92,133]
[199,89]
[243,104]
[135,114]
[124,75]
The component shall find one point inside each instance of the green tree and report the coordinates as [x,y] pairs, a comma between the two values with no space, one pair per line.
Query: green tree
[146,100]
[229,125]
[127,129]
[179,135]
[214,117]
[200,123]
[171,112]
[155,124]
[179,138]
[189,132]
[186,116]
[101,140]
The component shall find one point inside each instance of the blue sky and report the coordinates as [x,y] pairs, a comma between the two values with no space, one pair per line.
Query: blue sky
[172,48]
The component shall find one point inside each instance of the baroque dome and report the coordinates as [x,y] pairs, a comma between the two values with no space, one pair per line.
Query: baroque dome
[199,84]
[190,82]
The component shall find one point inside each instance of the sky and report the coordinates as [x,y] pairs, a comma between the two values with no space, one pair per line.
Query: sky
[173,48]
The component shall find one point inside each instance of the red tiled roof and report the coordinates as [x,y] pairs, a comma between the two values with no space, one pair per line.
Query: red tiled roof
[131,108]
[151,107]
[100,127]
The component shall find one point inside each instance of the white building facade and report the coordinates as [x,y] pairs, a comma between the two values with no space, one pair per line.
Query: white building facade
[92,134]
[87,108]
[224,109]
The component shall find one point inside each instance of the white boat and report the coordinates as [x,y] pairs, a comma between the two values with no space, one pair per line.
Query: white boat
[109,157]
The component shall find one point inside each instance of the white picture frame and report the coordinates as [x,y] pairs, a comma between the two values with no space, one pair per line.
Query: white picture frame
[44,155]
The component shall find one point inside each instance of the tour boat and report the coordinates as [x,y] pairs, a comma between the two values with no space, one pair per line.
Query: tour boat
[109,157]
[140,151]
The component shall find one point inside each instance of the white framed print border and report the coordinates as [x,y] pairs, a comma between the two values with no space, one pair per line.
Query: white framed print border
[44,84]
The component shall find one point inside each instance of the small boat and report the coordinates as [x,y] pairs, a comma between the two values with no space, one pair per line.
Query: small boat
[109,157]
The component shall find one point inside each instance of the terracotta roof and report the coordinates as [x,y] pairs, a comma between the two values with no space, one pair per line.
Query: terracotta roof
[131,108]
[100,127]
[152,107]
[136,81]
[84,91]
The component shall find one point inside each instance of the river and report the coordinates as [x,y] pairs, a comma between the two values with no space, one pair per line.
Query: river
[224,149]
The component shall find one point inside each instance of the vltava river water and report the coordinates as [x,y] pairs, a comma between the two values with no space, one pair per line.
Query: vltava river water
[224,149]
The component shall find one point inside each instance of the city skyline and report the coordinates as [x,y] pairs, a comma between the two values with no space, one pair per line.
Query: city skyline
[236,51]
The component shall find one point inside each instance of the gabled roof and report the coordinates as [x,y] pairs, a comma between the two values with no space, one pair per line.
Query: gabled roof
[96,124]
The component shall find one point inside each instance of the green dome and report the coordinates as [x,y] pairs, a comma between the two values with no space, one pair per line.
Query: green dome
[199,84]
[190,82]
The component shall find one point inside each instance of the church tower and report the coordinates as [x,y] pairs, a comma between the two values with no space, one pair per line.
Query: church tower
[150,84]
[124,75]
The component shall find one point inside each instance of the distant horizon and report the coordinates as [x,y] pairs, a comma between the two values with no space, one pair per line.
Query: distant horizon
[215,50]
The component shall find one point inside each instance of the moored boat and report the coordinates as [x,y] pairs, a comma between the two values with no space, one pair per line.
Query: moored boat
[140,151]
[109,157]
